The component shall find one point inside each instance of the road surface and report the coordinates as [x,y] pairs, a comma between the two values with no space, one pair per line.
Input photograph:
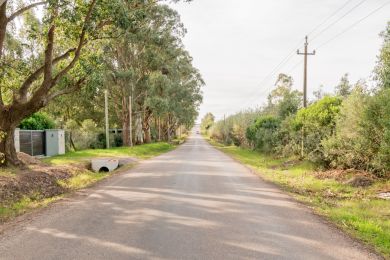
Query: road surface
[192,203]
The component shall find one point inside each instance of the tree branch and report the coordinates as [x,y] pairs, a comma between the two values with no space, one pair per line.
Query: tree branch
[80,45]
[77,86]
[24,9]
[34,76]
[48,66]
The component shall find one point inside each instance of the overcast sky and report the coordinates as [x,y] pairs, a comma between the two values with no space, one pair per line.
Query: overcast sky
[236,44]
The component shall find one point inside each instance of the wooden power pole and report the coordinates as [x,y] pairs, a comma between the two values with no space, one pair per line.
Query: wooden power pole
[106,116]
[305,53]
[131,120]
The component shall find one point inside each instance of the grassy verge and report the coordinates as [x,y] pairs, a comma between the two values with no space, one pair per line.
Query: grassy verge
[355,210]
[141,152]
[80,178]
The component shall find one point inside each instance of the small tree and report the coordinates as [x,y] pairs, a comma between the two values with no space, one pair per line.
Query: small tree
[207,122]
[344,88]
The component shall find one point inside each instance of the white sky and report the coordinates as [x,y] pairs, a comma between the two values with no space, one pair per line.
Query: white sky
[237,43]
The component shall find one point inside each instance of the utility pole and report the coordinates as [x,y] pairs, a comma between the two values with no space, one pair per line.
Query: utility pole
[131,120]
[305,53]
[106,115]
[159,129]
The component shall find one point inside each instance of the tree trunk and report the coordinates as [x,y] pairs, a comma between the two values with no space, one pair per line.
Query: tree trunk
[126,130]
[146,126]
[169,130]
[3,25]
[148,136]
[8,155]
[139,139]
[125,123]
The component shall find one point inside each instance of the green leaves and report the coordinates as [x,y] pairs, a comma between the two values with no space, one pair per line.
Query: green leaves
[38,121]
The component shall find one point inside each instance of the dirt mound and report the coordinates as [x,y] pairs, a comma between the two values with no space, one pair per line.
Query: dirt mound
[28,159]
[43,184]
[360,181]
[351,177]
[35,180]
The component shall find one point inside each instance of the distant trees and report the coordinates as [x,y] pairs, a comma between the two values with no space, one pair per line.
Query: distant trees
[207,122]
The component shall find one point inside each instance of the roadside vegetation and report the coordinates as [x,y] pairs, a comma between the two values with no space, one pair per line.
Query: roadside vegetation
[140,152]
[43,182]
[54,67]
[333,155]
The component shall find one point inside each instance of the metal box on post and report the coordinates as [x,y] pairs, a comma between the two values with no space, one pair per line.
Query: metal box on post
[55,142]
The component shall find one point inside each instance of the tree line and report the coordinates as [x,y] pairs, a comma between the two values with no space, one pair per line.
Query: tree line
[60,56]
[346,129]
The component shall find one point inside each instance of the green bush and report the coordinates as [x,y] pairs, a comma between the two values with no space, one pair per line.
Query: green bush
[317,122]
[345,148]
[38,121]
[289,138]
[376,132]
[263,133]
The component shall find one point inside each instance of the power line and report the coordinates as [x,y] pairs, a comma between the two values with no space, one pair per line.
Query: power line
[329,17]
[269,76]
[337,20]
[294,67]
[354,24]
[291,54]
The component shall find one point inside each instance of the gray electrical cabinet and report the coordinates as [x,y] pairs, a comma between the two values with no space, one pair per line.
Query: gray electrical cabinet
[55,142]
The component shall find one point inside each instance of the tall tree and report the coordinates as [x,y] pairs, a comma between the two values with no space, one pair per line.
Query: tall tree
[151,65]
[39,55]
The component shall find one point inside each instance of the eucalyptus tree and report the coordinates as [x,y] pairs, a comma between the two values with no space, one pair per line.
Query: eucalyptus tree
[151,65]
[41,54]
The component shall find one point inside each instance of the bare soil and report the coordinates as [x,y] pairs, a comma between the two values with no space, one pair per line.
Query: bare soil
[38,180]
[351,177]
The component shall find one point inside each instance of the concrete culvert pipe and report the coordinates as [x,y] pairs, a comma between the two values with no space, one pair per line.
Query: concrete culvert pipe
[104,165]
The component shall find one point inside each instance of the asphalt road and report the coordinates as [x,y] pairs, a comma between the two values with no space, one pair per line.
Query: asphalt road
[192,203]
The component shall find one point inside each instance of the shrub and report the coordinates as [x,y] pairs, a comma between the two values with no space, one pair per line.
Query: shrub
[263,133]
[345,148]
[289,139]
[38,121]
[376,132]
[317,123]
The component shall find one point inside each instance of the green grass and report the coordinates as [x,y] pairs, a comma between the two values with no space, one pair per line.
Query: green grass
[141,152]
[22,206]
[355,210]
